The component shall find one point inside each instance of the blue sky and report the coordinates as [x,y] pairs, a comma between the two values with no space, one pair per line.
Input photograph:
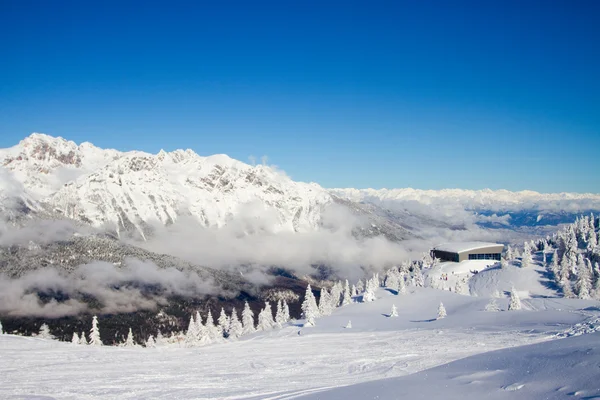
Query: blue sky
[424,94]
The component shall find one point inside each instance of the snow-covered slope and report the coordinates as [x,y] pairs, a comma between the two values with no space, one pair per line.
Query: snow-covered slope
[561,369]
[294,361]
[135,188]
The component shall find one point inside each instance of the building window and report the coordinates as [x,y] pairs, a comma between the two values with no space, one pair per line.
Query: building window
[488,256]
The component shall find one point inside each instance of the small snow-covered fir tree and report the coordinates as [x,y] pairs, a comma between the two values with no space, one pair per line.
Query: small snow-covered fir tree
[201,332]
[354,291]
[44,332]
[509,254]
[526,259]
[348,325]
[191,335]
[129,342]
[584,280]
[565,285]
[214,333]
[394,312]
[248,319]
[554,264]
[391,279]
[235,326]
[279,317]
[223,323]
[370,287]
[325,302]
[441,311]
[1,331]
[347,295]
[310,311]
[492,306]
[286,311]
[418,277]
[150,342]
[401,284]
[75,338]
[360,286]
[515,301]
[82,339]
[336,295]
[95,333]
[265,318]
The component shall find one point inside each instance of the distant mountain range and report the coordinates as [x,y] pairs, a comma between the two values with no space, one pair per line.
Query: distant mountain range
[64,205]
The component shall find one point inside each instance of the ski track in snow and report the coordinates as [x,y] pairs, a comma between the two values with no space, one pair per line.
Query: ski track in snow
[280,366]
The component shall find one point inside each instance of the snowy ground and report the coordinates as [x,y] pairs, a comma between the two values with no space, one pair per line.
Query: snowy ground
[295,361]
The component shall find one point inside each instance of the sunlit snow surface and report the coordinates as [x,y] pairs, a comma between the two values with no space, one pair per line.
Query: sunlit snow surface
[295,361]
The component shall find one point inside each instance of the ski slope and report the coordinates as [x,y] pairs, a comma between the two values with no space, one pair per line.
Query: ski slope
[292,361]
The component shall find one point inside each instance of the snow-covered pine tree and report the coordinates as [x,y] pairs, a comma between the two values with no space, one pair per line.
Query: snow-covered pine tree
[509,254]
[248,319]
[360,287]
[391,280]
[310,311]
[503,263]
[286,311]
[526,259]
[354,290]
[191,335]
[214,334]
[515,301]
[82,339]
[418,276]
[336,295]
[1,329]
[565,286]
[369,294]
[348,325]
[223,323]
[129,342]
[201,332]
[347,295]
[584,279]
[150,342]
[44,332]
[596,289]
[279,318]
[95,333]
[401,284]
[441,311]
[492,305]
[265,318]
[325,302]
[554,264]
[394,312]
[235,326]
[75,338]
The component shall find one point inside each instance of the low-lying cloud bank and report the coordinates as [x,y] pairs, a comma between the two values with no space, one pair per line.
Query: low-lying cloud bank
[135,286]
[251,239]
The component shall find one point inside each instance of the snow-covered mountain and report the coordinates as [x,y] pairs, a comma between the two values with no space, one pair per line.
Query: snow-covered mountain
[131,189]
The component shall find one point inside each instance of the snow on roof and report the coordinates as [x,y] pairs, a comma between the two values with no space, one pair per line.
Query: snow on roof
[461,247]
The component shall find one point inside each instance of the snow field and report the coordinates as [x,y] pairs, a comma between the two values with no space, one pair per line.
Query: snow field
[292,361]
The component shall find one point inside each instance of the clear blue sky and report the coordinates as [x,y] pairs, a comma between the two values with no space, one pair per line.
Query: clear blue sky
[426,94]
